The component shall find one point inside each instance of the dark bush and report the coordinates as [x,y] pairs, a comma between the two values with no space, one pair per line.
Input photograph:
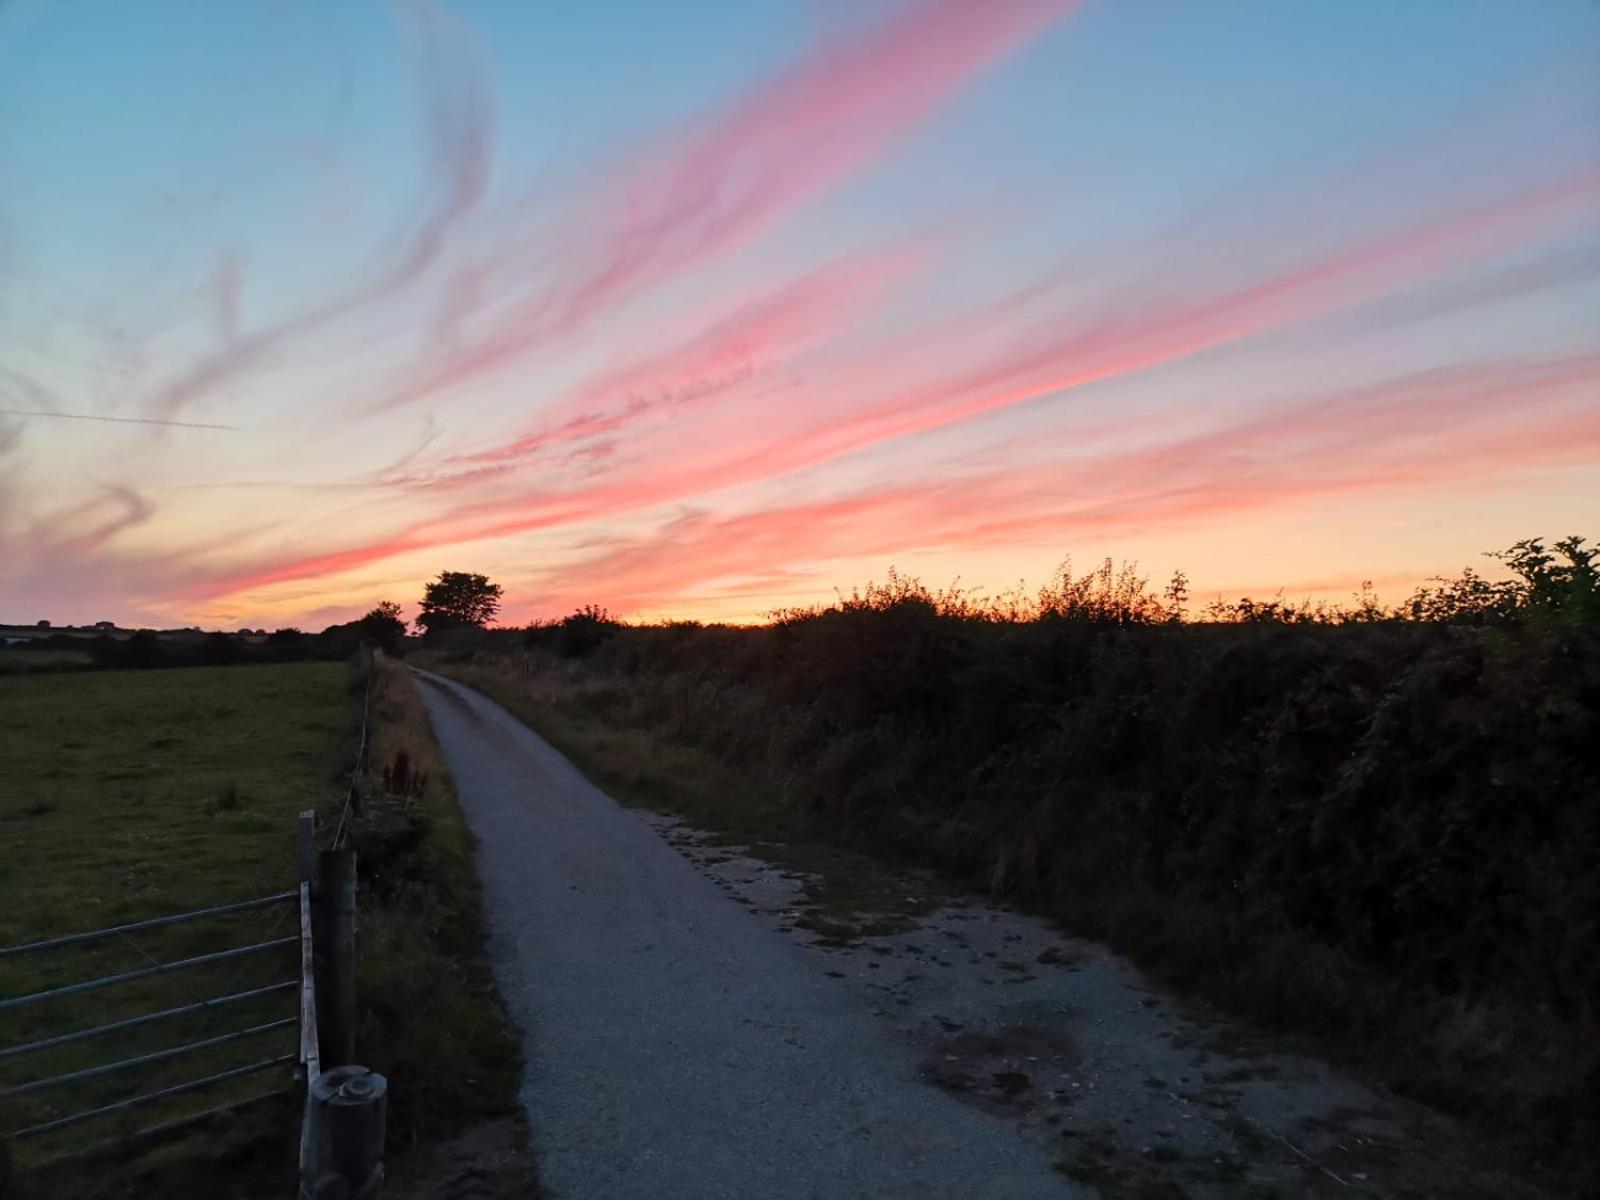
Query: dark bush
[1416,799]
[578,635]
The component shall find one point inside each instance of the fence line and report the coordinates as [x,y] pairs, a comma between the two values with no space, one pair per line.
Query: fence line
[361,753]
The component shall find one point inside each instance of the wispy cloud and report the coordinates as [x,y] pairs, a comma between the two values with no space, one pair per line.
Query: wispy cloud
[460,139]
[1150,332]
[78,551]
[25,389]
[74,416]
[717,185]
[758,335]
[1154,333]
[68,536]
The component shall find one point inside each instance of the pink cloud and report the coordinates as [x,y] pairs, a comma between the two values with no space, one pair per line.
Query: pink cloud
[1404,433]
[715,187]
[1105,351]
[1160,335]
[759,335]
[1423,420]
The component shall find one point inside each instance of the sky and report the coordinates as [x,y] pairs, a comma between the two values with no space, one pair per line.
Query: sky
[706,309]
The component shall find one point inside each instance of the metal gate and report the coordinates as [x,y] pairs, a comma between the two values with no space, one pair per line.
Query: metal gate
[61,1057]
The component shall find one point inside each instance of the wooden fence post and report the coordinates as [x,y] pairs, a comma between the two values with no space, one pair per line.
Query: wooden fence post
[336,987]
[306,844]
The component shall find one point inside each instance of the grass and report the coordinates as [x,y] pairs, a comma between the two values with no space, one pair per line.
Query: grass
[430,1019]
[128,795]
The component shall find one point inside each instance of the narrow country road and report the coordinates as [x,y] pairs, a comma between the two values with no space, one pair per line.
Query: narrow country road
[676,1048]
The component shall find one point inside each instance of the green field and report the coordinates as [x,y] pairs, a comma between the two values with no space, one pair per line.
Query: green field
[132,794]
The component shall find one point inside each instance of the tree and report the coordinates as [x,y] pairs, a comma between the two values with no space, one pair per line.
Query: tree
[457,599]
[383,625]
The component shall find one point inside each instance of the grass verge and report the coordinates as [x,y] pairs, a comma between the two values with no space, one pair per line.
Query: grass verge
[430,1020]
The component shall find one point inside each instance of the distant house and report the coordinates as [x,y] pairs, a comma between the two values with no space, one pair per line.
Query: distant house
[106,626]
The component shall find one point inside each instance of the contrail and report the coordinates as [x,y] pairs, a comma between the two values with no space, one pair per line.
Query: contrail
[67,416]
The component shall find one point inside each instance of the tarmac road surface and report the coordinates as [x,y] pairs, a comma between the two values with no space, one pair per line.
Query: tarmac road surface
[676,1047]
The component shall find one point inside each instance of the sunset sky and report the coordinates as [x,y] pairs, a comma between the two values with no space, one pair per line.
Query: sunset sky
[700,309]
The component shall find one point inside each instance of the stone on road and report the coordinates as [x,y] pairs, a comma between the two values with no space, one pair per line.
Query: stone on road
[675,1046]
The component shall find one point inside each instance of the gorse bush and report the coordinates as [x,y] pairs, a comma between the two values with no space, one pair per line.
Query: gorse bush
[1380,825]
[578,634]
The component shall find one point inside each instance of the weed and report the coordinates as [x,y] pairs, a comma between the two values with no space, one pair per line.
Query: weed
[401,779]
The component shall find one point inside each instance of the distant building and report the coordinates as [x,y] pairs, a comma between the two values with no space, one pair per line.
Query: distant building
[106,625]
[42,625]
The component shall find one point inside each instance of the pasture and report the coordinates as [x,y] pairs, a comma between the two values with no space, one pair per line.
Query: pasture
[133,794]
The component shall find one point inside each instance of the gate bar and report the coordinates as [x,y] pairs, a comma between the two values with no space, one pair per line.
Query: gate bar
[145,972]
[79,1035]
[265,1064]
[154,923]
[142,1059]
[165,1127]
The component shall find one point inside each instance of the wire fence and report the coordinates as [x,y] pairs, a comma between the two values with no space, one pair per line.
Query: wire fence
[361,759]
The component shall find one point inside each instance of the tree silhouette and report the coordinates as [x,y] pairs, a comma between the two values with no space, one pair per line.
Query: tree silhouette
[457,599]
[384,625]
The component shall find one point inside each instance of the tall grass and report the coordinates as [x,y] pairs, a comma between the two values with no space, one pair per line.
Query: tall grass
[429,1018]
